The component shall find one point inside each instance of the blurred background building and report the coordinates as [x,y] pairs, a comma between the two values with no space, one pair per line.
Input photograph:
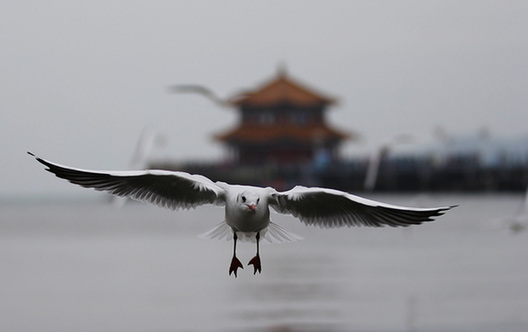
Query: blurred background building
[282,138]
[282,122]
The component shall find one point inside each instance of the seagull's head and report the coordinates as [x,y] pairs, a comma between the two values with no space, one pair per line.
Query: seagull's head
[249,201]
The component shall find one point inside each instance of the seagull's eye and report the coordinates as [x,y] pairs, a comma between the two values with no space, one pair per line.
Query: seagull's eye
[244,199]
[258,200]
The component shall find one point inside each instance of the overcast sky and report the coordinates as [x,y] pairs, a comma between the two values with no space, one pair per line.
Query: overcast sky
[81,80]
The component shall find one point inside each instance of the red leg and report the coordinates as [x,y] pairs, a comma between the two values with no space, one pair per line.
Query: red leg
[255,261]
[235,262]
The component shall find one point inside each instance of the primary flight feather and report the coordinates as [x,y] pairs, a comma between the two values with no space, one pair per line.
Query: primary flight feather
[247,213]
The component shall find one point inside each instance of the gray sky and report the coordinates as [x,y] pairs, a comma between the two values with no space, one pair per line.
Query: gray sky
[81,80]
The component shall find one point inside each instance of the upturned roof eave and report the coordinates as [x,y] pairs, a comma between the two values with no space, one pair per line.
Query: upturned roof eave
[281,89]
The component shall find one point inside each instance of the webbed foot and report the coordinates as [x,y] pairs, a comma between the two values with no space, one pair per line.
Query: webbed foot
[255,261]
[235,264]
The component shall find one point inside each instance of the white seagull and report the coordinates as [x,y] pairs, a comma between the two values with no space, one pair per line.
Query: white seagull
[200,90]
[208,93]
[146,143]
[247,213]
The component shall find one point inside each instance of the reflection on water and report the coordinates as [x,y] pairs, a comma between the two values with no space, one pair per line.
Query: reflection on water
[85,266]
[300,294]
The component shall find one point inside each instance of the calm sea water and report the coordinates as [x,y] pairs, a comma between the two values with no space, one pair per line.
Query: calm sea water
[84,266]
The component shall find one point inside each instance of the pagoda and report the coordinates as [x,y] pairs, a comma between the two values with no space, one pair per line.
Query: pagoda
[282,122]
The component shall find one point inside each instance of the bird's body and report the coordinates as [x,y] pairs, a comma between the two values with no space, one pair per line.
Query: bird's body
[244,211]
[247,208]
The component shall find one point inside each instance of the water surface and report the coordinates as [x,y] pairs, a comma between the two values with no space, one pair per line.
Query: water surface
[84,266]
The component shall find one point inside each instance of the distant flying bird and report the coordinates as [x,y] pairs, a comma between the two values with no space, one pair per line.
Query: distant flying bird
[146,143]
[519,222]
[140,158]
[200,90]
[377,156]
[247,213]
[207,93]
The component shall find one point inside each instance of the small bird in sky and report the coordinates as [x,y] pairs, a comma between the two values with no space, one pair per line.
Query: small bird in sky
[208,93]
[147,141]
[376,158]
[519,222]
[247,208]
[200,90]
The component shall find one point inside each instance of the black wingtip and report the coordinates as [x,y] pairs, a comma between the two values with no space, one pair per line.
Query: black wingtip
[442,211]
[40,160]
[36,157]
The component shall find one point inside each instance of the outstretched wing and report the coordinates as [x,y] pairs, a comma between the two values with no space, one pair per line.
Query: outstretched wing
[173,190]
[200,90]
[334,208]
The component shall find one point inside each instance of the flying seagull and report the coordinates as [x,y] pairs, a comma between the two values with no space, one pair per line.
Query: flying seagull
[146,143]
[519,222]
[208,93]
[375,159]
[200,90]
[247,208]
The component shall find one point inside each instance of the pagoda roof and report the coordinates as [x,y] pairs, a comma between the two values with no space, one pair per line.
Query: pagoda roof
[282,89]
[258,133]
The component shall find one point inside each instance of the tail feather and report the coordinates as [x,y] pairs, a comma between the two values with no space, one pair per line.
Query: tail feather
[276,234]
[272,234]
[220,232]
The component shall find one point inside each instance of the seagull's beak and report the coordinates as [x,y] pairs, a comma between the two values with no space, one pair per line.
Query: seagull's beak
[251,207]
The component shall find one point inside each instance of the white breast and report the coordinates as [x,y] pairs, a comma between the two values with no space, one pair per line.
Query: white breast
[241,219]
